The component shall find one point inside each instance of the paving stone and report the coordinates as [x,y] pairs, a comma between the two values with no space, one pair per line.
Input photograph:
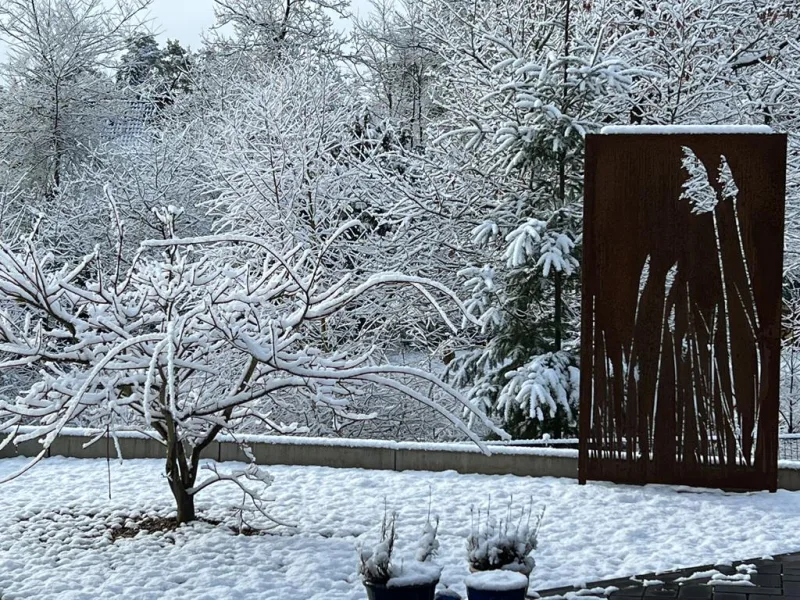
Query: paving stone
[777,579]
[697,580]
[729,596]
[656,591]
[745,589]
[791,588]
[770,591]
[772,567]
[555,591]
[621,582]
[629,592]
[695,592]
[697,568]
[766,579]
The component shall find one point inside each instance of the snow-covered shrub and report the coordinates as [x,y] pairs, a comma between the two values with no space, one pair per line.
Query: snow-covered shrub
[379,565]
[376,562]
[549,382]
[506,544]
[428,544]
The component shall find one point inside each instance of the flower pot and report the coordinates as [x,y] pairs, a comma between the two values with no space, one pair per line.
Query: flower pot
[378,591]
[526,569]
[497,585]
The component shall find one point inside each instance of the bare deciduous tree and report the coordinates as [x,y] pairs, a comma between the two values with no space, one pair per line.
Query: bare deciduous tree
[188,344]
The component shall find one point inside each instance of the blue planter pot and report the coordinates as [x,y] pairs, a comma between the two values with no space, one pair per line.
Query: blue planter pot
[497,585]
[412,592]
[496,595]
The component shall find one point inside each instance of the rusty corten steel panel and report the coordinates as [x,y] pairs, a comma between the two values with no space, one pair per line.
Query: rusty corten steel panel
[682,269]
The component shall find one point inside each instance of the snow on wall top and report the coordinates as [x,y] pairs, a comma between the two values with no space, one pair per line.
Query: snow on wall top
[493,447]
[685,129]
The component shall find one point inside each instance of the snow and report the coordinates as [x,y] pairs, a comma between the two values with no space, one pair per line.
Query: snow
[492,447]
[497,581]
[498,447]
[415,573]
[685,129]
[53,526]
[698,575]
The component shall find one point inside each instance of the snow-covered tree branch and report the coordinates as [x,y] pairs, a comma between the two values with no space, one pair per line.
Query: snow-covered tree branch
[187,344]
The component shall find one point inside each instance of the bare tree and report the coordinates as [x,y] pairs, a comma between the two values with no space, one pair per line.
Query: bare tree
[59,54]
[394,61]
[187,344]
[790,360]
[278,29]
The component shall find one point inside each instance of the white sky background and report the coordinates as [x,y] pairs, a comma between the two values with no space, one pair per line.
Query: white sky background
[186,20]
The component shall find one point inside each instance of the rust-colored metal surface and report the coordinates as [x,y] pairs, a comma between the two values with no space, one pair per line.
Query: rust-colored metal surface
[682,269]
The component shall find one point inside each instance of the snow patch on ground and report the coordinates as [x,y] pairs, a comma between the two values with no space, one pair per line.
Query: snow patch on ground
[54,540]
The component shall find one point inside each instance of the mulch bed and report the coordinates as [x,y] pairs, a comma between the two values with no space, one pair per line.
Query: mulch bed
[148,524]
[168,524]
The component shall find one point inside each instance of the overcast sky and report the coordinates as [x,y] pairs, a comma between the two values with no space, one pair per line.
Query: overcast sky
[182,19]
[186,20]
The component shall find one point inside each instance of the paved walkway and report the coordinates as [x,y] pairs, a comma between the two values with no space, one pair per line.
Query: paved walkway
[757,579]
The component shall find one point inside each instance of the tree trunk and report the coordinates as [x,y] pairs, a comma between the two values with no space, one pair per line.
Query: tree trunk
[558,311]
[182,465]
[184,502]
[181,474]
[57,141]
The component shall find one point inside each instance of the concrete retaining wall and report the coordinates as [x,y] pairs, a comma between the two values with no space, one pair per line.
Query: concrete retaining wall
[533,465]
[789,475]
[360,454]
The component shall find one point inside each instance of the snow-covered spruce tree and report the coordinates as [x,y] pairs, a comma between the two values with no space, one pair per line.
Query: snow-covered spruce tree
[519,95]
[14,191]
[187,344]
[165,71]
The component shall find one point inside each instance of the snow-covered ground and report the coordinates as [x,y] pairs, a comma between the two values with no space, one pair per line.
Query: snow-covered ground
[54,523]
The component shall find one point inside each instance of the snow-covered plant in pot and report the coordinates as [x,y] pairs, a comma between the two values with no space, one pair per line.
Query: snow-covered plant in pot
[500,554]
[386,578]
